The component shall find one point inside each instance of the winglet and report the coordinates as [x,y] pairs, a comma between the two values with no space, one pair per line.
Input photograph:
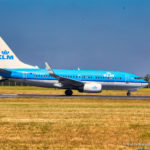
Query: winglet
[50,71]
[47,66]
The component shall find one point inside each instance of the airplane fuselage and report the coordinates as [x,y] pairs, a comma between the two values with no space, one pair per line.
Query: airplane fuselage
[88,81]
[110,80]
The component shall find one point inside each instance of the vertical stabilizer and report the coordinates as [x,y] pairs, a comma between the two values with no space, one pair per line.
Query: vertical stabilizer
[8,59]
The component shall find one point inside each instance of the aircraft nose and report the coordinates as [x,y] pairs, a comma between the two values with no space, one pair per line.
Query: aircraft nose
[145,84]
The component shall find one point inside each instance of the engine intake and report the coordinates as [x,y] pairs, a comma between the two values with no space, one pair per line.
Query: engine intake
[91,88]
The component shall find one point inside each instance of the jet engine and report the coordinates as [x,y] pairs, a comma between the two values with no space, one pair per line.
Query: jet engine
[91,88]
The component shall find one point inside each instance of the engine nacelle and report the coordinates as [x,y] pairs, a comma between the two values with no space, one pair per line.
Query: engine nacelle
[91,88]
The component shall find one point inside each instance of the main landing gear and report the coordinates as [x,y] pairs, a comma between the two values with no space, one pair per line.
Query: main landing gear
[68,92]
[128,93]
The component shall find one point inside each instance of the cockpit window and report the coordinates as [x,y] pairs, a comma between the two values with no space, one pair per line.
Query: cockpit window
[137,78]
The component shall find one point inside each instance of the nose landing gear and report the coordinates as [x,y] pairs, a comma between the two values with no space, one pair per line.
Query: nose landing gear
[128,93]
[68,92]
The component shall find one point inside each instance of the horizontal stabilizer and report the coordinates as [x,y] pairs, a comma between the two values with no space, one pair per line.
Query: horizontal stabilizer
[4,73]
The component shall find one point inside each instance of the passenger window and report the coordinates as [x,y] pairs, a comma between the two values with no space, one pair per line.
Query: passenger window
[137,78]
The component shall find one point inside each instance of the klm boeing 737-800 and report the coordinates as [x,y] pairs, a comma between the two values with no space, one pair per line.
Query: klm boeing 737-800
[88,81]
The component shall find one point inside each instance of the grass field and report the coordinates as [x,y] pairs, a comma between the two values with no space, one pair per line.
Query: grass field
[38,90]
[78,124]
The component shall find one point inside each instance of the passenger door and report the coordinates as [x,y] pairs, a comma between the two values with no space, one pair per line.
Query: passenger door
[24,75]
[126,78]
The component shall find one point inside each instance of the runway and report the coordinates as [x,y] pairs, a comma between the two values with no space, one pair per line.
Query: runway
[74,96]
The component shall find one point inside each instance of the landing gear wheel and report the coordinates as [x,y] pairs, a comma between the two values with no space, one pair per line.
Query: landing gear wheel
[68,92]
[128,94]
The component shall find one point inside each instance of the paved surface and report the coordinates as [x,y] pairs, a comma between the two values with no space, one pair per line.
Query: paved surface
[74,96]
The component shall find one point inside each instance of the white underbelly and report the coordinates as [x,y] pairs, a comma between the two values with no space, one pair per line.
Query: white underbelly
[105,85]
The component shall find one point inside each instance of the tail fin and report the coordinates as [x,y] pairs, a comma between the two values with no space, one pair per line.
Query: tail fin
[8,59]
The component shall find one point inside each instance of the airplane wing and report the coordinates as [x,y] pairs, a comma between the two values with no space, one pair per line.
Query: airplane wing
[64,81]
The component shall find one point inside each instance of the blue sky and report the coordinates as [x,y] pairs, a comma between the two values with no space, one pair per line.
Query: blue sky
[90,34]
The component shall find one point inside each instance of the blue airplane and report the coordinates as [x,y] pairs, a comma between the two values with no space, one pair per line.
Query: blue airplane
[88,81]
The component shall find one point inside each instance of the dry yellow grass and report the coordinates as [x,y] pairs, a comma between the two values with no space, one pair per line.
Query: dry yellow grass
[72,124]
[38,90]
